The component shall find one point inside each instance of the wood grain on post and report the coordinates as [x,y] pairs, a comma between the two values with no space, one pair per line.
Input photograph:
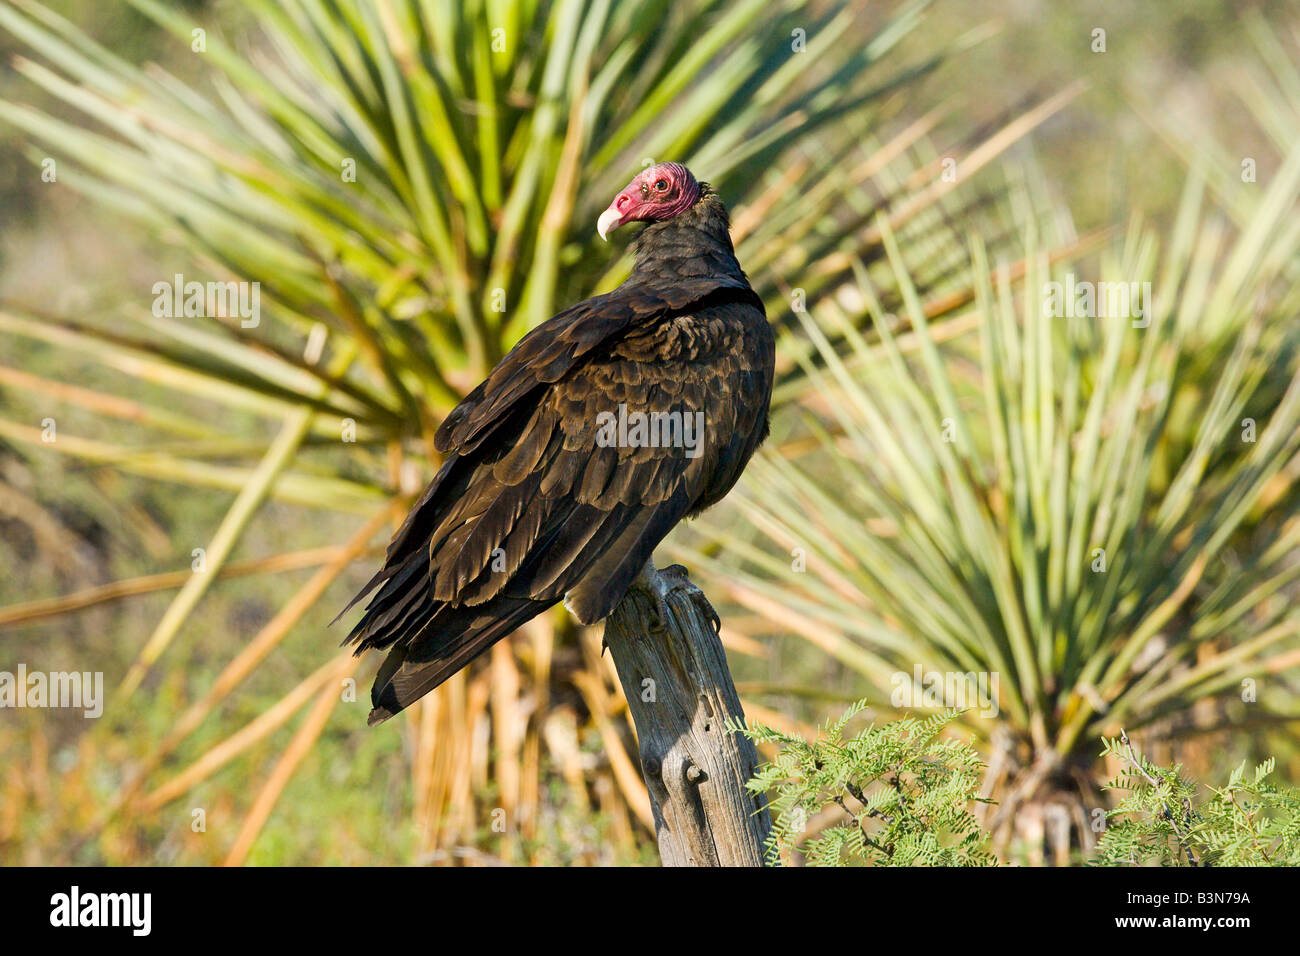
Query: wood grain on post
[681,695]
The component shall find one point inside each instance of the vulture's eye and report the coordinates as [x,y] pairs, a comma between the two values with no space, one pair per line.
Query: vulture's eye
[661,185]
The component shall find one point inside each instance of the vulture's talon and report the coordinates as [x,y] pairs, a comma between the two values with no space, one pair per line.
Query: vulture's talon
[658,583]
[660,623]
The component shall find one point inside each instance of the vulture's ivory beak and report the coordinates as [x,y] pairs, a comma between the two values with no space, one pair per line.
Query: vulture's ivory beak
[608,221]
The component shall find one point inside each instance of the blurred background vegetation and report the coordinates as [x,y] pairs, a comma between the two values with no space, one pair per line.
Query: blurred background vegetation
[900,192]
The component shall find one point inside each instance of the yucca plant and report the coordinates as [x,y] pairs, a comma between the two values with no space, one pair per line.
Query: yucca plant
[1033,500]
[411,185]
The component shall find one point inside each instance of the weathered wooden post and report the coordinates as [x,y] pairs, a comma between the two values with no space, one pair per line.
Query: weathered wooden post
[674,673]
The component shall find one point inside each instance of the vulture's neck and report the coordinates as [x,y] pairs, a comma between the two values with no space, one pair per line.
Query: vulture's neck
[694,243]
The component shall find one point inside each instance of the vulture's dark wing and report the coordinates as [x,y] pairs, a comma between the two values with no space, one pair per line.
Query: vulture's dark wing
[529,506]
[546,354]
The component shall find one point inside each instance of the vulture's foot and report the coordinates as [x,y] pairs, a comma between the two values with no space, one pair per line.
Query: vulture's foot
[658,583]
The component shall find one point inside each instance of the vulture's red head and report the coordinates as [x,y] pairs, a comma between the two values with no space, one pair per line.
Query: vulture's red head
[658,193]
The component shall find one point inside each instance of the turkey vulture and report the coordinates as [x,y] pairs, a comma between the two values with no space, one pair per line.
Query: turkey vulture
[600,431]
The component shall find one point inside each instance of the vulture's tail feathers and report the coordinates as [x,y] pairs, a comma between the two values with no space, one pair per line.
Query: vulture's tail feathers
[455,637]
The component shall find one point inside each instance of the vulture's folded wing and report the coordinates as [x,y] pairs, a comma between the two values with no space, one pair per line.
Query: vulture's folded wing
[559,503]
[550,351]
